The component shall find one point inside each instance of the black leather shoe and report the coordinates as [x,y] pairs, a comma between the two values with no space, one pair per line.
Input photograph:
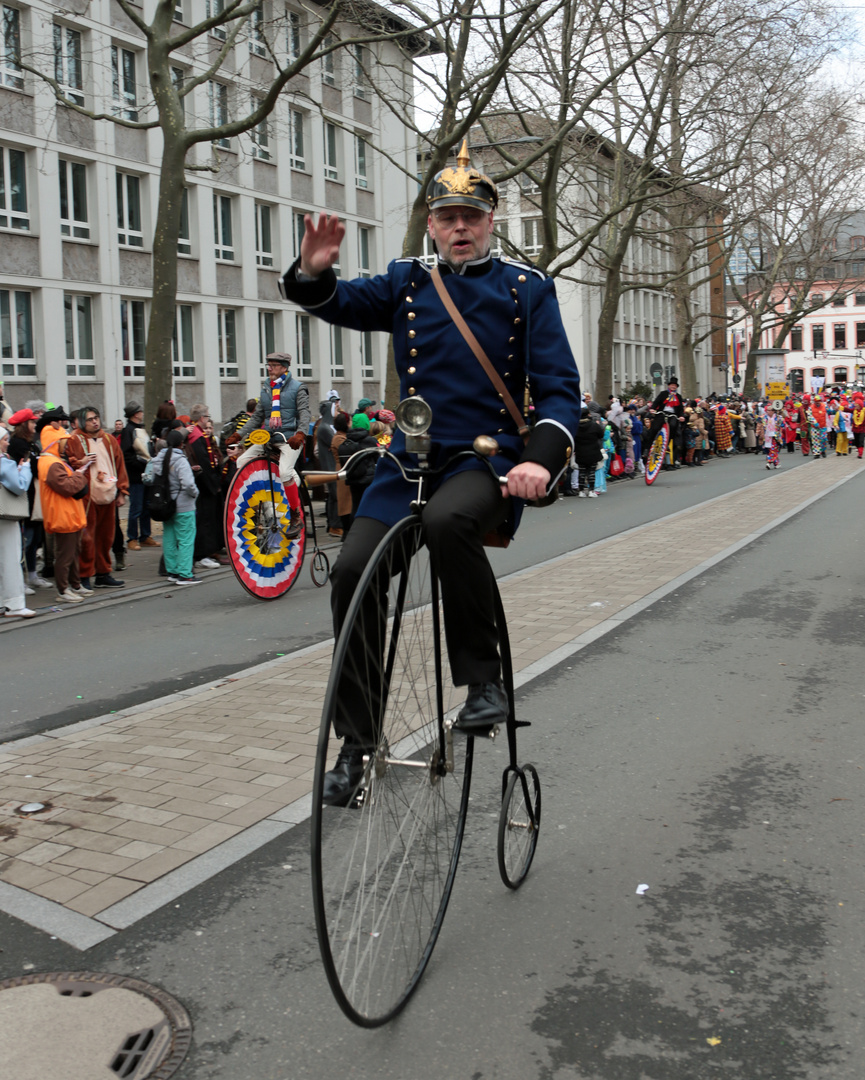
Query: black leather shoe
[341,782]
[486,705]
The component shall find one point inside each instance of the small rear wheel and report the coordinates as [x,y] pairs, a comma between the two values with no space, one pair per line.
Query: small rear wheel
[319,568]
[519,822]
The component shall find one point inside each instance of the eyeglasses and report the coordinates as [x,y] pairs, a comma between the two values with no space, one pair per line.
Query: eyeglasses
[448,218]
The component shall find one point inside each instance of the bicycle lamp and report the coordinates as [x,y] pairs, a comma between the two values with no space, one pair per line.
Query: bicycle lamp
[413,418]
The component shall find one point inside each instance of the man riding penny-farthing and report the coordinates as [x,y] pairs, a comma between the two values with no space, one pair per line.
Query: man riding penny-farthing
[264,522]
[469,335]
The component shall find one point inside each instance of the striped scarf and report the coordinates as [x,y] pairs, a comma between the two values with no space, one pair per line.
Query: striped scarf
[275,390]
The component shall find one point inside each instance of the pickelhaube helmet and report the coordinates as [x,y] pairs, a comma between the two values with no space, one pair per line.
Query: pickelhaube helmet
[462,186]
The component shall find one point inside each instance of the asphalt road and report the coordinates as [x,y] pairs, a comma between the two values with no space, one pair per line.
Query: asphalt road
[109,655]
[712,749]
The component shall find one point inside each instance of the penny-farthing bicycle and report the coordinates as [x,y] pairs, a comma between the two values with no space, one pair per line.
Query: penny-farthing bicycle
[265,559]
[657,453]
[383,867]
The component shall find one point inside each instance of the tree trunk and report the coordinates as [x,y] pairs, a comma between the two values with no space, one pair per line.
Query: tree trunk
[606,334]
[158,376]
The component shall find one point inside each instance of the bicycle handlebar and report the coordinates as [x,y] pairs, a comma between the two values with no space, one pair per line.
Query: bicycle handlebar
[409,474]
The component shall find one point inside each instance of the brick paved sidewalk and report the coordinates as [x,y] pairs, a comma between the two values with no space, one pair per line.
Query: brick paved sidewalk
[137,797]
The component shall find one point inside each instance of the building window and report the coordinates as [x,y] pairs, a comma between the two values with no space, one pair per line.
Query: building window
[178,11]
[129,230]
[123,86]
[839,301]
[257,40]
[227,332]
[213,8]
[67,63]
[367,370]
[304,347]
[860,299]
[361,162]
[260,134]
[500,239]
[361,89]
[328,74]
[331,166]
[178,78]
[299,228]
[298,157]
[840,335]
[182,344]
[79,337]
[217,94]
[16,334]
[293,40]
[860,335]
[827,273]
[817,337]
[797,380]
[796,339]
[533,234]
[263,236]
[363,252]
[222,229]
[184,235]
[337,364]
[132,336]
[73,200]
[816,299]
[13,189]
[857,269]
[839,375]
[266,339]
[528,186]
[857,243]
[10,55]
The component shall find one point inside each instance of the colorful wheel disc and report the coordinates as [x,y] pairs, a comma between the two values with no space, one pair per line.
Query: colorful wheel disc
[257,516]
[656,454]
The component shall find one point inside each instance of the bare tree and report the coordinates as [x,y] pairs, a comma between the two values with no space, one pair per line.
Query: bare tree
[793,200]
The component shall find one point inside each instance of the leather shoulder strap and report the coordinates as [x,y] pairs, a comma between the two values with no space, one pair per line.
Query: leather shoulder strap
[480,355]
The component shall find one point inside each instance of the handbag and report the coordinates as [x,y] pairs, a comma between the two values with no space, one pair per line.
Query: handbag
[616,466]
[13,507]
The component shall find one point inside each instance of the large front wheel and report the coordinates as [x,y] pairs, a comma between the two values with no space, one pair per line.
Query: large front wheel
[657,452]
[264,559]
[383,866]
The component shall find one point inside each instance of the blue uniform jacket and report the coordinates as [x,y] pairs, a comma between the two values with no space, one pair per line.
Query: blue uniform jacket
[508,306]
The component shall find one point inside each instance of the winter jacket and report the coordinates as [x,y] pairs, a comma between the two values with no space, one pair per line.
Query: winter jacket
[181,479]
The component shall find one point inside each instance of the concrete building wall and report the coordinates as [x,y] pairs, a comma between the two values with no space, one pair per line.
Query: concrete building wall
[73,293]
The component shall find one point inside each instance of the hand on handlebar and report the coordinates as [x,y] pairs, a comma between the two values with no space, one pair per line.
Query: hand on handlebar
[527,481]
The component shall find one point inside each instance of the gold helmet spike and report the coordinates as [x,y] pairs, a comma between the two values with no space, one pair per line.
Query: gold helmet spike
[462,186]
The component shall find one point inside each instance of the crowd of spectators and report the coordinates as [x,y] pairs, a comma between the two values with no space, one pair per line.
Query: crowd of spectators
[613,444]
[64,478]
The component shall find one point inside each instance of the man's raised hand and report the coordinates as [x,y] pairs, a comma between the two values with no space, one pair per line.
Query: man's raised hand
[319,249]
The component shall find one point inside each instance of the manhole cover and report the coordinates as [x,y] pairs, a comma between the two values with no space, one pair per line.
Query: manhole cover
[85,1025]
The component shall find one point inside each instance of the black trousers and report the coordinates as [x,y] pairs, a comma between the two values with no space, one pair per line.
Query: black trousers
[455,521]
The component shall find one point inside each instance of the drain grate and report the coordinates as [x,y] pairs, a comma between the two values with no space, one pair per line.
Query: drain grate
[135,1030]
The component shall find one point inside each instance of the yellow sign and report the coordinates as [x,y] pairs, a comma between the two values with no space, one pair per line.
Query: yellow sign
[776,390]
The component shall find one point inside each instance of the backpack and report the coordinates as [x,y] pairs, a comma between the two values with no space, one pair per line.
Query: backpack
[160,505]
